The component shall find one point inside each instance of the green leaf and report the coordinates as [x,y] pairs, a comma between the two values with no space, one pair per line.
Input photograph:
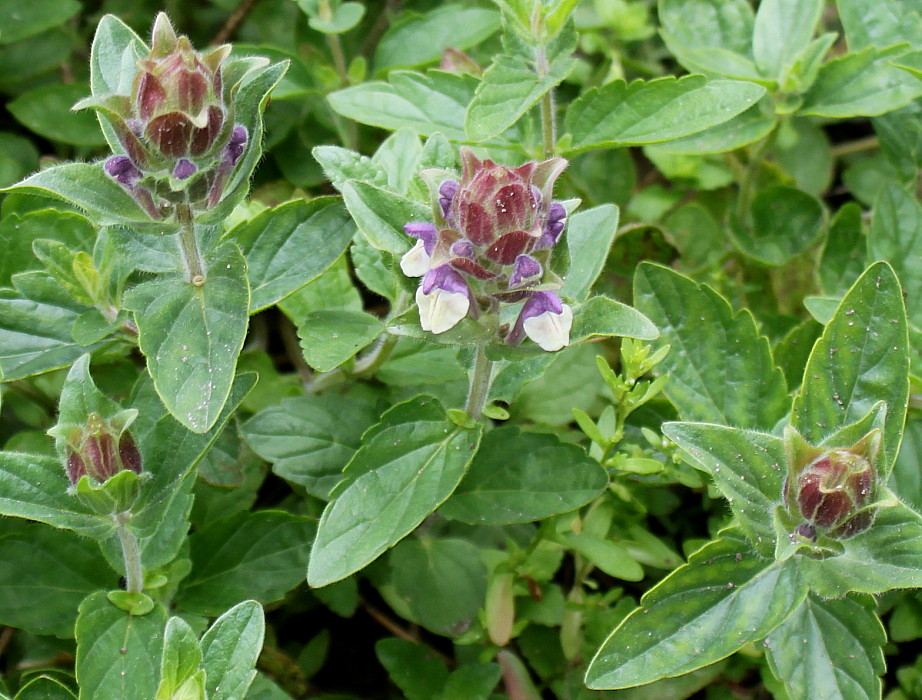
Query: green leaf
[471,682]
[191,335]
[829,649]
[36,487]
[785,222]
[589,236]
[47,111]
[415,361]
[843,258]
[249,103]
[118,654]
[54,571]
[331,290]
[896,236]
[376,269]
[45,688]
[290,245]
[342,164]
[709,35]
[259,555]
[783,28]
[610,557]
[345,16]
[86,186]
[622,114]
[708,382]
[21,20]
[862,358]
[309,439]
[175,451]
[521,477]
[745,128]
[230,649]
[412,667]
[453,26]
[36,328]
[906,479]
[724,598]
[511,86]
[18,232]
[442,582]
[861,84]
[181,657]
[381,215]
[330,338]
[604,317]
[407,466]
[113,58]
[879,22]
[747,467]
[18,155]
[398,157]
[426,103]
[887,555]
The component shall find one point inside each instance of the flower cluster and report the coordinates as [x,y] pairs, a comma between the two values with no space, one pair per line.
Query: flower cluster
[100,448]
[176,128]
[491,243]
[833,490]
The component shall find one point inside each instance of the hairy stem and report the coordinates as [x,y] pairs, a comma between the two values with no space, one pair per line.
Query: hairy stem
[548,111]
[481,379]
[747,184]
[192,257]
[134,575]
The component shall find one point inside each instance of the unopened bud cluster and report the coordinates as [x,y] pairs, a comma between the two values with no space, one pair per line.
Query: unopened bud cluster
[100,449]
[176,128]
[833,490]
[491,244]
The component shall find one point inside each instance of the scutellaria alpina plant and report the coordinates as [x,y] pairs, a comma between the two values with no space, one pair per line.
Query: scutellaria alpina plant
[399,373]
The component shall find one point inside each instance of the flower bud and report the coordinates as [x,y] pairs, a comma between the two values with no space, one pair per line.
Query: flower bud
[100,450]
[175,127]
[833,490]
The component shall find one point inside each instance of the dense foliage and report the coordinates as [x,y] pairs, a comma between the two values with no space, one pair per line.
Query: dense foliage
[469,350]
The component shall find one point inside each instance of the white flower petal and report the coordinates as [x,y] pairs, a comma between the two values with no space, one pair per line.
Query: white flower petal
[415,262]
[549,330]
[441,310]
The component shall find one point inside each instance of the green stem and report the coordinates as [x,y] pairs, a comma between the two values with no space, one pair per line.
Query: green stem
[192,257]
[548,111]
[481,378]
[134,575]
[368,364]
[749,177]
[548,123]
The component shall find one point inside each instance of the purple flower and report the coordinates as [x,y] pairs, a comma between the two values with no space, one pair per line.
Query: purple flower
[424,232]
[184,169]
[443,299]
[122,170]
[526,270]
[545,319]
[553,228]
